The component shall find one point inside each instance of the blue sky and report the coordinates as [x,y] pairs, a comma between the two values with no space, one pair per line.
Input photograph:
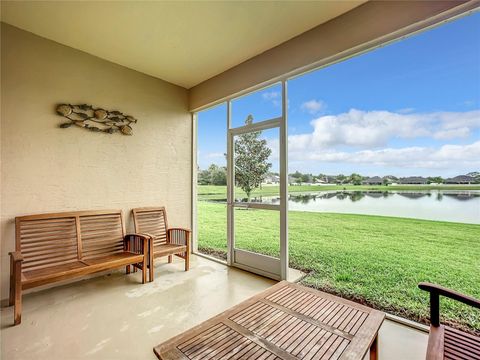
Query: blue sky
[409,108]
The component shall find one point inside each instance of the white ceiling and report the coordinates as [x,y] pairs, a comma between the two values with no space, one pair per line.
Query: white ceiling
[184,43]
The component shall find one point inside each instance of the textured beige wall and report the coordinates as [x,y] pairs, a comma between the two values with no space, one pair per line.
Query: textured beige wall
[48,169]
[368,23]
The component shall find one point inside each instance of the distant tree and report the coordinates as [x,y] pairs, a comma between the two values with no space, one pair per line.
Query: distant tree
[341,178]
[356,179]
[306,178]
[386,181]
[296,177]
[218,175]
[214,175]
[203,177]
[435,180]
[251,160]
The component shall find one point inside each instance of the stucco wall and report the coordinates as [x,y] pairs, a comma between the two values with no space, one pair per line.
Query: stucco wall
[48,169]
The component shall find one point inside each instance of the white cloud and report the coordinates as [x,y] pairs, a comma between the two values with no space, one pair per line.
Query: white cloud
[270,95]
[214,155]
[313,106]
[374,129]
[461,132]
[443,157]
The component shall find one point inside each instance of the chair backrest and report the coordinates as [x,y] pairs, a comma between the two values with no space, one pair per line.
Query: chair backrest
[153,221]
[47,240]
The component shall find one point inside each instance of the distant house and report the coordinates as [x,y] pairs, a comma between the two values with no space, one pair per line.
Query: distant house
[271,180]
[461,179]
[375,180]
[326,180]
[413,180]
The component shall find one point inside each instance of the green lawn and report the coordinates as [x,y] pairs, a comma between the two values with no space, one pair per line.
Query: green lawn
[211,192]
[372,259]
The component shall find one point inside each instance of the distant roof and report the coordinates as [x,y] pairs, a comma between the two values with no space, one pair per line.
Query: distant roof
[462,178]
[413,179]
[374,179]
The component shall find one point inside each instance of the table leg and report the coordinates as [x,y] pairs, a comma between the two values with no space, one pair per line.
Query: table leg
[374,349]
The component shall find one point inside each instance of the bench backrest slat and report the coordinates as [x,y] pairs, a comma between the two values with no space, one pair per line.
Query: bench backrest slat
[101,235]
[152,220]
[47,240]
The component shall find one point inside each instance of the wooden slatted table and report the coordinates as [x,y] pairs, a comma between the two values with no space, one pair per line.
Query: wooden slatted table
[287,321]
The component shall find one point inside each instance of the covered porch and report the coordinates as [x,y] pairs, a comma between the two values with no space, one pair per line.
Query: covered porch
[145,71]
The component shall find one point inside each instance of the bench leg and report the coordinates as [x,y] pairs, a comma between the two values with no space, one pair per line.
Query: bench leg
[144,272]
[127,269]
[18,306]
[374,349]
[170,258]
[16,292]
[187,260]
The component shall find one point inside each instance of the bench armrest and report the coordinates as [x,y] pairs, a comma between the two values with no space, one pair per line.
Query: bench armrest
[140,235]
[435,292]
[136,243]
[179,236]
[16,256]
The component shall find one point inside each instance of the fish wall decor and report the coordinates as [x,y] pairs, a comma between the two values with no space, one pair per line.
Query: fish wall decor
[96,119]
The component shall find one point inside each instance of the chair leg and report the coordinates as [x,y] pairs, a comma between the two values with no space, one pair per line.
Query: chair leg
[170,258]
[145,263]
[11,298]
[151,268]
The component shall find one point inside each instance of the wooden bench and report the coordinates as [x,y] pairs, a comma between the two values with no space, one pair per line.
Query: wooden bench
[54,247]
[167,241]
[445,342]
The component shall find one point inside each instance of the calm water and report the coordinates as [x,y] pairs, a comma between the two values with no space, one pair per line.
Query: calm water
[444,205]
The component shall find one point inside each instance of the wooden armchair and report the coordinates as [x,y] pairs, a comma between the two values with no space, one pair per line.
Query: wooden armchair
[445,342]
[152,221]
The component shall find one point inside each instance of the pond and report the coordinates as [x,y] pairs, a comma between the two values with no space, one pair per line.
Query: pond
[443,205]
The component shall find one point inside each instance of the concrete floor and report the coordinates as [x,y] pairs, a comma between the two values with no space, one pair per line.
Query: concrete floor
[116,317]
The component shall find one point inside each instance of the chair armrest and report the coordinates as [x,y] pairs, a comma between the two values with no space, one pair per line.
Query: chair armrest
[16,256]
[435,292]
[180,236]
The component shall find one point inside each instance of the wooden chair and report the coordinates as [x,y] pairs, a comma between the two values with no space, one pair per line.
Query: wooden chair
[445,342]
[54,247]
[152,221]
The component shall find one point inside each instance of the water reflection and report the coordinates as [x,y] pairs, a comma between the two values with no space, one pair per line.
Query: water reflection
[306,198]
[446,205]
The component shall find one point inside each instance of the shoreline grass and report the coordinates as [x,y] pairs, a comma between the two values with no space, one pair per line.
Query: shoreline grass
[376,260]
